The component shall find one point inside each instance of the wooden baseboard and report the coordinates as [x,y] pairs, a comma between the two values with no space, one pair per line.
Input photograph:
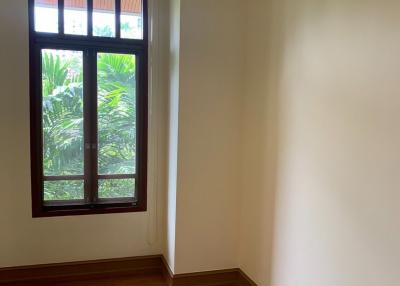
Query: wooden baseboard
[63,272]
[244,280]
[225,277]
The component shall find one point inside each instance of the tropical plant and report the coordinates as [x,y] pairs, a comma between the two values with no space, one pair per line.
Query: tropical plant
[63,122]
[62,115]
[116,109]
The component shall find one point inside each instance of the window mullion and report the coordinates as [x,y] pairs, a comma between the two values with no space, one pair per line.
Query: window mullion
[87,124]
[93,126]
[61,17]
[118,18]
[90,120]
[90,17]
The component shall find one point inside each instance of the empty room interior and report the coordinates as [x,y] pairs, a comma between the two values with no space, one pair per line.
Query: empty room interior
[200,142]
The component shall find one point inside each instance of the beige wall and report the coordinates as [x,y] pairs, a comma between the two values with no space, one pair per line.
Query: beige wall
[46,240]
[210,90]
[173,121]
[259,140]
[333,74]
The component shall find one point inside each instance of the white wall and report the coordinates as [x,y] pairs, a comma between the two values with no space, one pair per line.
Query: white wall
[333,79]
[259,140]
[173,120]
[24,240]
[210,90]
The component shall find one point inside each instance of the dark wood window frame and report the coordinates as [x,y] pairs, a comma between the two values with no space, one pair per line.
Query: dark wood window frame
[90,46]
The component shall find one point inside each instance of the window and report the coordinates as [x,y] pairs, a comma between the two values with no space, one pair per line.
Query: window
[88,71]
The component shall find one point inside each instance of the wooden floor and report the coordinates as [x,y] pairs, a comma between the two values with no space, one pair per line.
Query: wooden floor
[148,280]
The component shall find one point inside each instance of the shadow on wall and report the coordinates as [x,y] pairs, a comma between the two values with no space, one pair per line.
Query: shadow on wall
[265,49]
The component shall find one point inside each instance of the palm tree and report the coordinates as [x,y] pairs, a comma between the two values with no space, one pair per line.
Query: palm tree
[63,121]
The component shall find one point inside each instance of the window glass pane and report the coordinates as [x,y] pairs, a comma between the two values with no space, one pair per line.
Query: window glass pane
[116,113]
[75,17]
[114,189]
[62,109]
[63,190]
[46,16]
[132,19]
[104,18]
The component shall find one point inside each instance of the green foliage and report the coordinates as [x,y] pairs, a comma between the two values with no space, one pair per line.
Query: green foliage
[62,115]
[106,31]
[64,190]
[103,31]
[117,113]
[62,74]
[116,188]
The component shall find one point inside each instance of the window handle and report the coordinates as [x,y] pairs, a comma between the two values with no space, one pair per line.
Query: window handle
[89,146]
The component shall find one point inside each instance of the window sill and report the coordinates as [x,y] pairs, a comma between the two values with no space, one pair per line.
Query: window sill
[68,210]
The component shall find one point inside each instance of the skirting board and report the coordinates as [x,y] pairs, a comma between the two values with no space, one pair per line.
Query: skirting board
[44,274]
[221,277]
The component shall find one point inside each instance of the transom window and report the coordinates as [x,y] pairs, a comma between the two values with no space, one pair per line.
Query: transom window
[88,71]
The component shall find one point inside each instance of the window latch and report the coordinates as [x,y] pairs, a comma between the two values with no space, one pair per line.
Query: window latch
[89,146]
